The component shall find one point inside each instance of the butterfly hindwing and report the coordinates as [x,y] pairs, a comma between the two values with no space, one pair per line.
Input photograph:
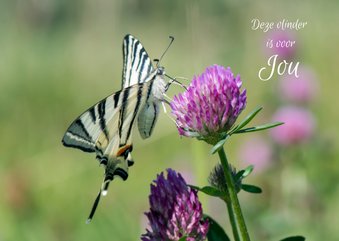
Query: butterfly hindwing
[107,126]
[77,136]
[147,119]
[84,132]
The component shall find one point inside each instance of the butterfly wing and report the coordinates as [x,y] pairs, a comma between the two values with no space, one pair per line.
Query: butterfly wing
[147,119]
[84,133]
[137,65]
[106,127]
[137,69]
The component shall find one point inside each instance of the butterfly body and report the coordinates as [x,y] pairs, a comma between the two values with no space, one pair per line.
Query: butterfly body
[106,127]
[149,113]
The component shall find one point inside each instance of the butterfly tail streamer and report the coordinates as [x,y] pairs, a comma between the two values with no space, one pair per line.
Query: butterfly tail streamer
[94,208]
[103,192]
[105,184]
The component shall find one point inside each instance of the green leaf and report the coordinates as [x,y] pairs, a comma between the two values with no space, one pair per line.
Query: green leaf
[209,190]
[251,188]
[248,171]
[259,128]
[239,175]
[243,173]
[215,231]
[219,145]
[247,119]
[294,238]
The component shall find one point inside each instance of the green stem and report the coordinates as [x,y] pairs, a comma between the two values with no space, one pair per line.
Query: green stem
[233,197]
[232,220]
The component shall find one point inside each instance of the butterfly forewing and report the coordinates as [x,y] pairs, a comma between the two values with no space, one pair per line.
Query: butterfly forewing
[136,63]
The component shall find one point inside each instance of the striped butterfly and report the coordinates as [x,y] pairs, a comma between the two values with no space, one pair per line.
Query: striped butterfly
[106,127]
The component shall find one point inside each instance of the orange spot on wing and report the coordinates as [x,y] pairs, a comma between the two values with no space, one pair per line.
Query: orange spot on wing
[123,149]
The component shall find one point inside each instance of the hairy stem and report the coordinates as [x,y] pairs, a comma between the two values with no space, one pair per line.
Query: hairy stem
[233,197]
[232,220]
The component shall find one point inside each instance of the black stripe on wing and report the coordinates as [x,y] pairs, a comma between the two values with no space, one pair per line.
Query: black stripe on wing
[136,110]
[123,110]
[121,173]
[136,45]
[101,111]
[130,108]
[77,136]
[143,56]
[92,113]
[116,99]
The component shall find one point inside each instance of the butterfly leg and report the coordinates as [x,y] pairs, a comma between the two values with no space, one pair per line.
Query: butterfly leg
[165,111]
[175,81]
[181,78]
[168,99]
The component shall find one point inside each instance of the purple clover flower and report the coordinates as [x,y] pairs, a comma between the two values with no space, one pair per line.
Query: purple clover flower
[299,125]
[256,151]
[210,105]
[300,90]
[283,52]
[175,211]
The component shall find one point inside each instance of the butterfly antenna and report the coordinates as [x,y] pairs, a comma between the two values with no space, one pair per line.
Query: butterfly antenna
[180,77]
[94,208]
[169,45]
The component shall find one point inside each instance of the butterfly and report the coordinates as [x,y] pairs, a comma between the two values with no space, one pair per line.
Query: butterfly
[106,127]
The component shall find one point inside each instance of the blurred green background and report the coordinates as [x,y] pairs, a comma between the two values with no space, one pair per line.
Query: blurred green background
[59,57]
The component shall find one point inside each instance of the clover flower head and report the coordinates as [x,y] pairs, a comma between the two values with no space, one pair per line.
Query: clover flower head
[175,211]
[299,125]
[280,39]
[256,151]
[301,89]
[210,105]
